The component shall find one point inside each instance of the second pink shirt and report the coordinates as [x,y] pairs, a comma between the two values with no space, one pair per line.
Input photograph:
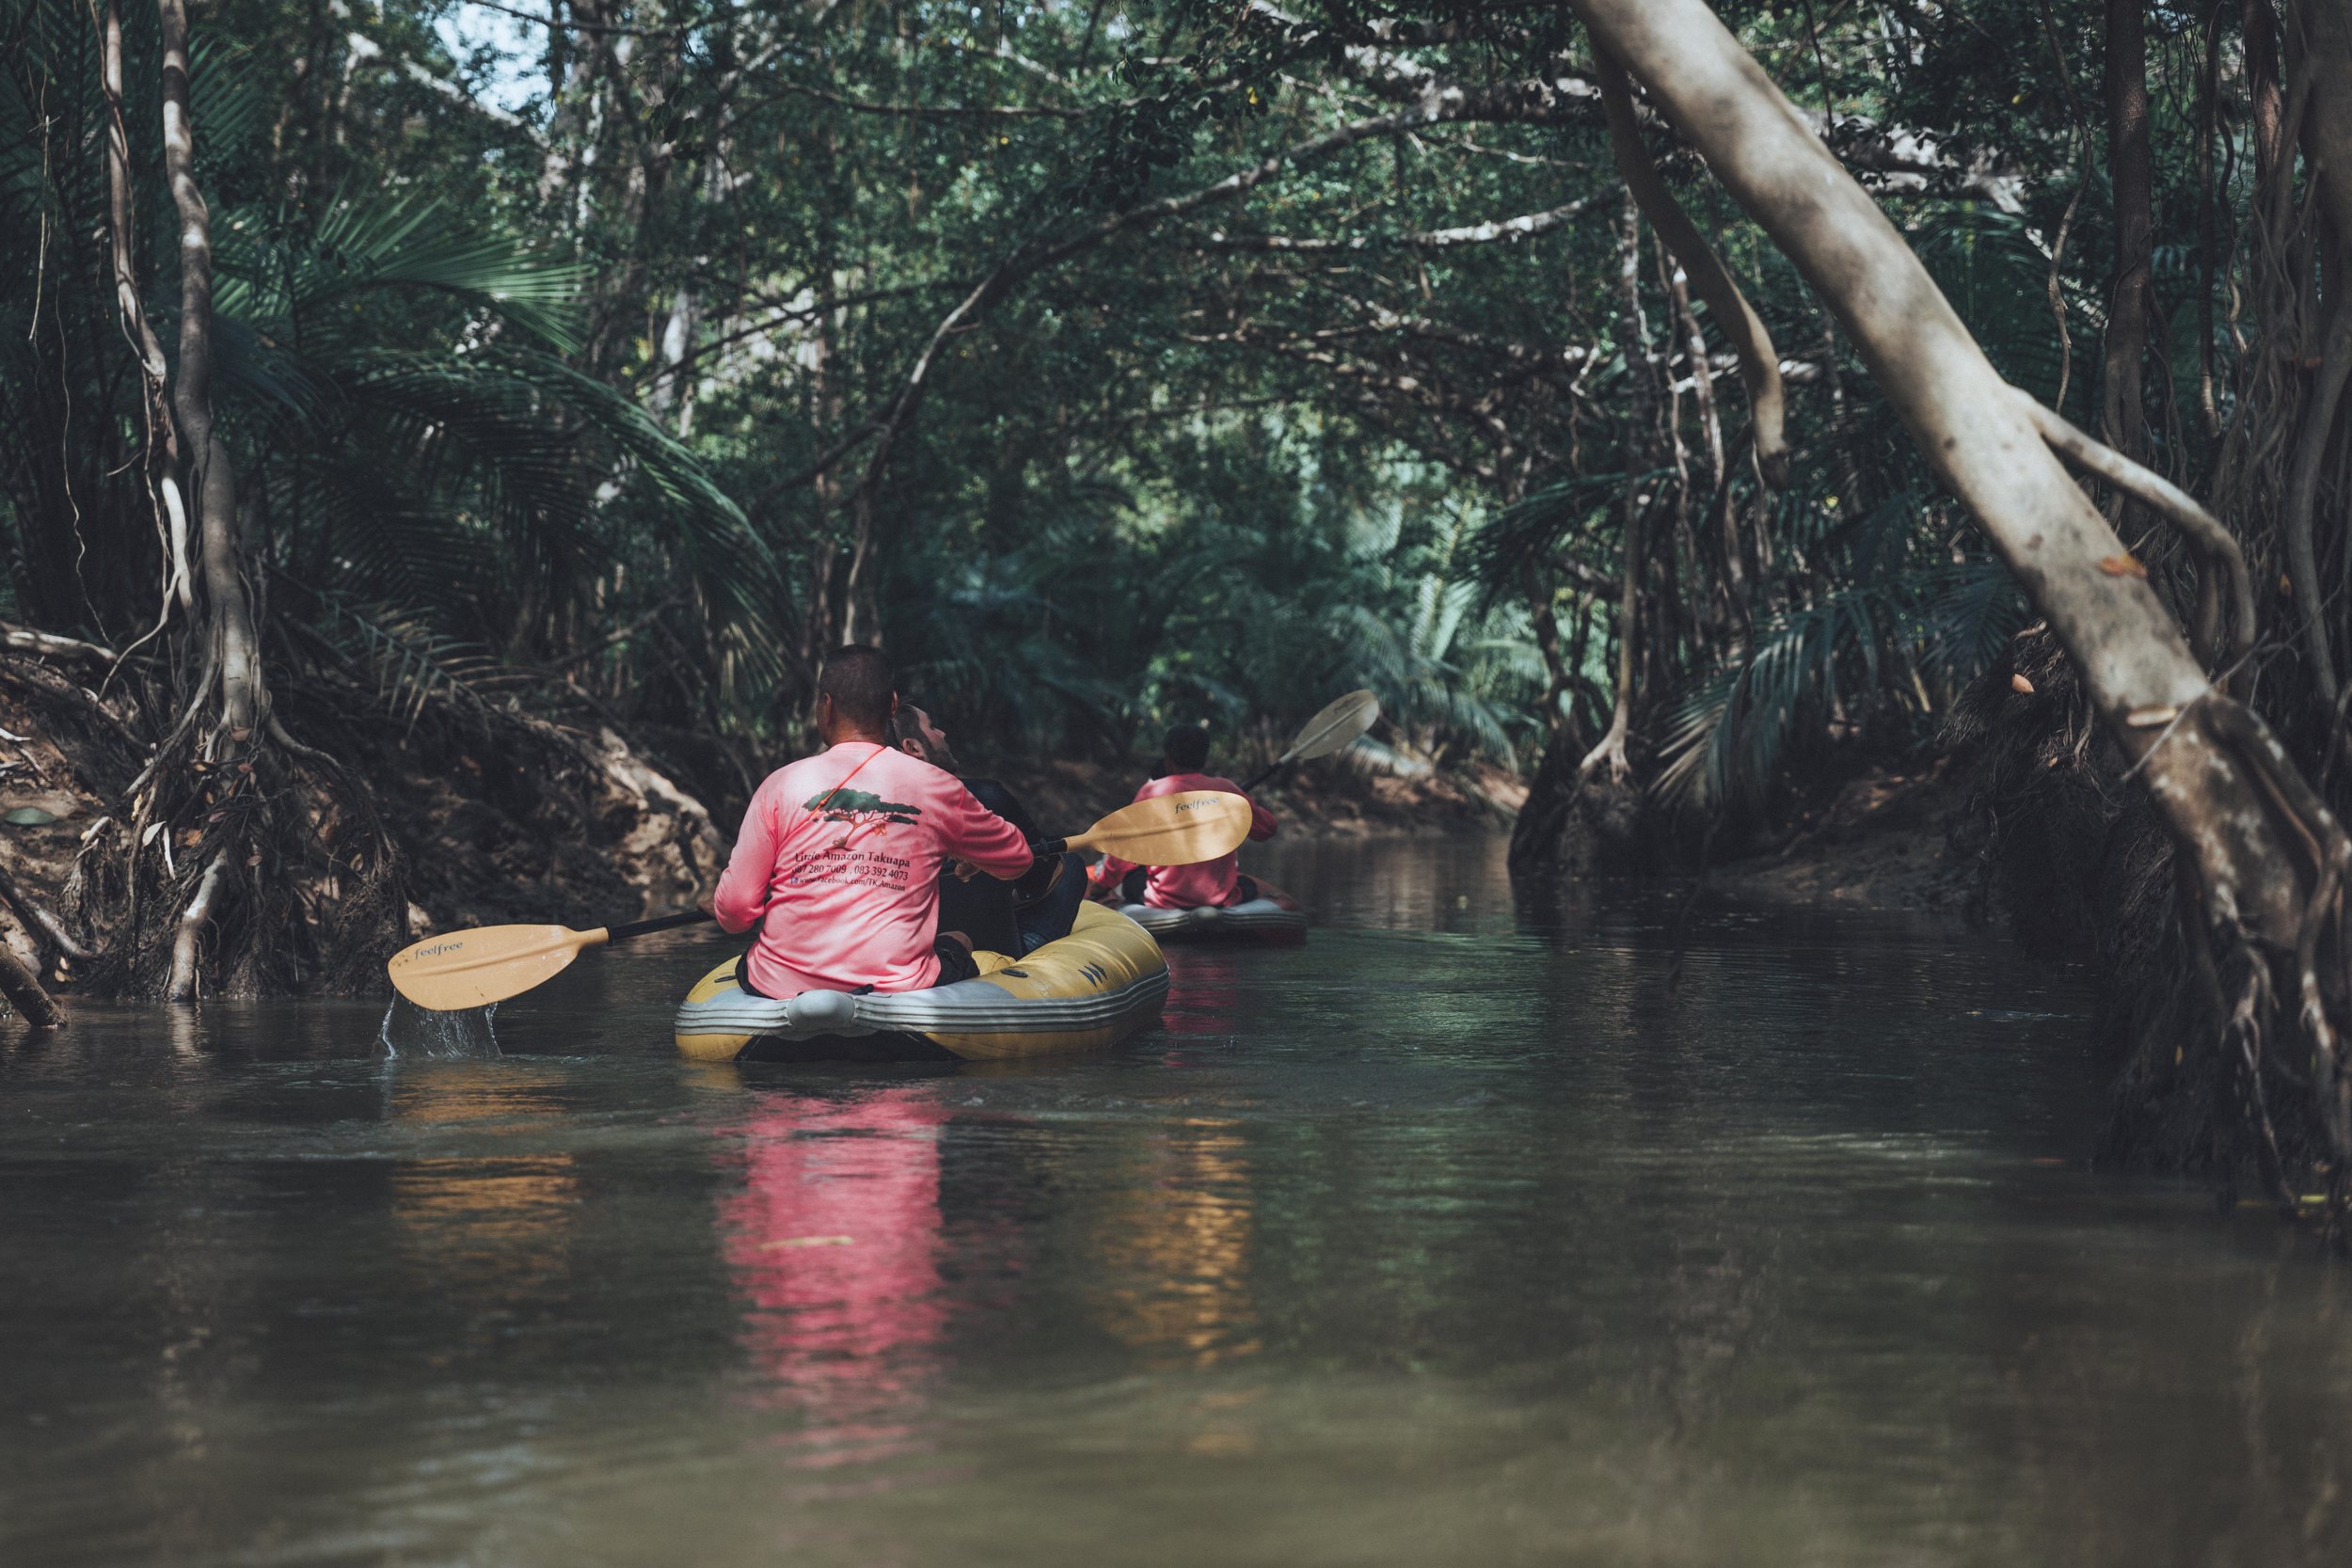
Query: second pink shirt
[1190,887]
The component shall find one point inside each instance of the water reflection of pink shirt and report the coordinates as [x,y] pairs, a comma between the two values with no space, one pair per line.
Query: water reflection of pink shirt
[842,849]
[1191,887]
[833,1241]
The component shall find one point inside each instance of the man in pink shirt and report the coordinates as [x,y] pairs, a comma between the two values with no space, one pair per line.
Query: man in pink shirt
[1184,754]
[839,860]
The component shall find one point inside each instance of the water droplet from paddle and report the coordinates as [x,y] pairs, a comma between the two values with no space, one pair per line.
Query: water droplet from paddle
[408,1030]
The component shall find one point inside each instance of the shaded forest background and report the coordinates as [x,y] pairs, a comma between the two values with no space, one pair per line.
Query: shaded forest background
[1109,363]
[499,409]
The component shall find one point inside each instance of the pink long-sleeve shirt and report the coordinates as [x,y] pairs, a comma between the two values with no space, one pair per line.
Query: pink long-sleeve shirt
[842,850]
[1190,887]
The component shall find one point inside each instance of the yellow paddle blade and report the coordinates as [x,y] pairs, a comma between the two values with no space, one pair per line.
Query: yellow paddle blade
[1338,724]
[1172,830]
[489,964]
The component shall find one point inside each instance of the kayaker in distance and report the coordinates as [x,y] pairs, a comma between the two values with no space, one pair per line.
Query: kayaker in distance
[842,851]
[1015,918]
[1184,754]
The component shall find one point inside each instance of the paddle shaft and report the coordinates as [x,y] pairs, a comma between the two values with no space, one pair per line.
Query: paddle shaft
[1333,729]
[658,922]
[1266,772]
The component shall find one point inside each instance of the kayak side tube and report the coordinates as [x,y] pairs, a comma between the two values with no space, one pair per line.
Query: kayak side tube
[1090,990]
[1261,920]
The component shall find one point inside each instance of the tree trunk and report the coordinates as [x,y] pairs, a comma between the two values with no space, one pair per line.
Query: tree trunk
[2269,861]
[226,634]
[1634,345]
[234,648]
[2131,171]
[161,457]
[1759,363]
[2323,56]
[2208,260]
[2233,800]
[2261,83]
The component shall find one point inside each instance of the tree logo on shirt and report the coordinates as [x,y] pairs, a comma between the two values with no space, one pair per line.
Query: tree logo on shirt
[855,805]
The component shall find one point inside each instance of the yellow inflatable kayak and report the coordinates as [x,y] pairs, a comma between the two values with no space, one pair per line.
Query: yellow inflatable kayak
[1093,988]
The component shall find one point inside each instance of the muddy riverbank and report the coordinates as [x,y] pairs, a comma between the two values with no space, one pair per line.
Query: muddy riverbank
[497,814]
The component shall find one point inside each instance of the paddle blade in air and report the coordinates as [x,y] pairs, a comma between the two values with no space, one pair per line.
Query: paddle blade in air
[1336,726]
[1172,829]
[490,963]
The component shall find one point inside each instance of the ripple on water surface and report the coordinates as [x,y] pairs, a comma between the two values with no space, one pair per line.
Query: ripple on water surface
[1457,1235]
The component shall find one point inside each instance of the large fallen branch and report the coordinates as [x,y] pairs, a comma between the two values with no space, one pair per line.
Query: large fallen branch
[1973,430]
[48,644]
[2266,855]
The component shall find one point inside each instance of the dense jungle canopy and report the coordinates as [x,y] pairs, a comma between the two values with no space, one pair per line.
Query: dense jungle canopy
[379,375]
[1106,361]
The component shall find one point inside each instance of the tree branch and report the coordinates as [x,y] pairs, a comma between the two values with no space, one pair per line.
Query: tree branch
[1759,363]
[1526,225]
[2160,495]
[570,25]
[1526,101]
[926,111]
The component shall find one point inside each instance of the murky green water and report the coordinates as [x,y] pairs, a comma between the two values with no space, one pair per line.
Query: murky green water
[1443,1240]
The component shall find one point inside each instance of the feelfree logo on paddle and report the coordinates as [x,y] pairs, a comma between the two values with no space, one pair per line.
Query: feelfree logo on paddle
[855,805]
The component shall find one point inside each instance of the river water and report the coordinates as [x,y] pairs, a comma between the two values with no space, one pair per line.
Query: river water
[1456,1236]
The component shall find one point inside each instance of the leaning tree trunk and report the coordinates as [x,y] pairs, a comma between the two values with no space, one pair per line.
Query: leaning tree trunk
[2267,856]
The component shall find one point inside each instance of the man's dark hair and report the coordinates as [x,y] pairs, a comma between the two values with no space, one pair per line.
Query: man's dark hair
[858,680]
[904,728]
[1186,748]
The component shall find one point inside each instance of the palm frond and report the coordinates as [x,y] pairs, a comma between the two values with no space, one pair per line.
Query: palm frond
[412,663]
[1723,738]
[270,271]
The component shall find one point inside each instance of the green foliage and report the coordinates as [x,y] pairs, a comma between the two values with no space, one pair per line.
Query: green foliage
[577,363]
[409,662]
[394,378]
[1852,649]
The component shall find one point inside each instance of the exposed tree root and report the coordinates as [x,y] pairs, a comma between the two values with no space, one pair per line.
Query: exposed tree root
[2228,1060]
[1577,822]
[300,866]
[22,989]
